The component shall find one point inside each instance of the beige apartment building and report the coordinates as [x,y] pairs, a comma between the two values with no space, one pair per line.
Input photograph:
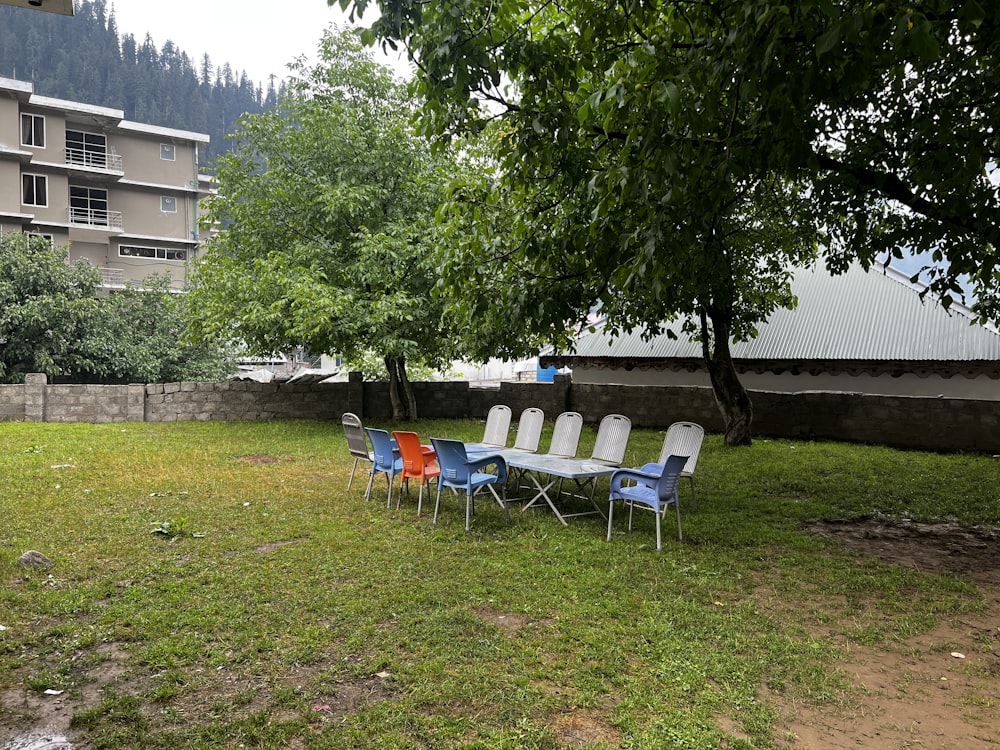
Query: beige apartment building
[122,195]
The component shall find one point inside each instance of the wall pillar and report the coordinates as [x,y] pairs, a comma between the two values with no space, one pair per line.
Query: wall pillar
[34,396]
[135,411]
[356,394]
[563,385]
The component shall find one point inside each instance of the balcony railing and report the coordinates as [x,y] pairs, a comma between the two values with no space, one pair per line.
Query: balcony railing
[110,220]
[113,278]
[110,162]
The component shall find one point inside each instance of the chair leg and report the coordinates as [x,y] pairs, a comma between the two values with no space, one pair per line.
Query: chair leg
[611,510]
[437,504]
[399,497]
[353,469]
[659,539]
[368,490]
[468,512]
[502,500]
[694,499]
[388,502]
[680,535]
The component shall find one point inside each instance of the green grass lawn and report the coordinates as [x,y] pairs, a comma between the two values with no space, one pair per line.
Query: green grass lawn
[280,611]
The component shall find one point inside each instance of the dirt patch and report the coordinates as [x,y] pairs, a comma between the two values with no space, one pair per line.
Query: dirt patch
[272,546]
[930,548]
[41,721]
[940,689]
[507,621]
[584,728]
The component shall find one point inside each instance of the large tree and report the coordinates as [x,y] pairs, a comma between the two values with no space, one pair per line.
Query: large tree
[326,214]
[53,321]
[639,140]
[611,188]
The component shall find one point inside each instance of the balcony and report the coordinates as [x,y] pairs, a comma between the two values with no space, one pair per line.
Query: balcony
[110,221]
[112,278]
[104,161]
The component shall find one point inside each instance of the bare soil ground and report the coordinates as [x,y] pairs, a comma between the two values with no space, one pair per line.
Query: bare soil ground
[916,694]
[938,690]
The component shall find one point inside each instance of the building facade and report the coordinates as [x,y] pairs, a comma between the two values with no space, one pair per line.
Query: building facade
[870,333]
[122,195]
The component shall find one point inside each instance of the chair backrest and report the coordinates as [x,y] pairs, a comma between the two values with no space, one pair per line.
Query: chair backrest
[529,429]
[357,443]
[497,426]
[452,459]
[666,485]
[683,439]
[382,449]
[566,434]
[411,453]
[612,439]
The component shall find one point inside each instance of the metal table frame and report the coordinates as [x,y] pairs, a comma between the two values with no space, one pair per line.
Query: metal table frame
[555,469]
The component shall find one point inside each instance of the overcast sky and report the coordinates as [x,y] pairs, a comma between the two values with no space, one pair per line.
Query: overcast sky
[258,36]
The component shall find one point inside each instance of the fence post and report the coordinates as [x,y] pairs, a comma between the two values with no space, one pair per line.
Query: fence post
[34,396]
[356,394]
[136,409]
[563,383]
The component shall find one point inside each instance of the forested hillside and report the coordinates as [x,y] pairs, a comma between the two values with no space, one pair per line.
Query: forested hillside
[83,58]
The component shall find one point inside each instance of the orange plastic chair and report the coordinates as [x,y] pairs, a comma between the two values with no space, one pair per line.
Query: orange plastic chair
[419,462]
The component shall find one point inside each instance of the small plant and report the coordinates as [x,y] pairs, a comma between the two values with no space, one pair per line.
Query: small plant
[173,529]
[35,449]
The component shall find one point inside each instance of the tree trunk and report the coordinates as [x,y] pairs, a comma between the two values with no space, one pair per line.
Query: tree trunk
[411,399]
[730,395]
[404,403]
[398,412]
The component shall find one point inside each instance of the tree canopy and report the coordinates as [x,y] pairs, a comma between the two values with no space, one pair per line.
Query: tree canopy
[326,214]
[52,321]
[678,157]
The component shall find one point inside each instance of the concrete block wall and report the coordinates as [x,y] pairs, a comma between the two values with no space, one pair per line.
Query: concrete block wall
[648,406]
[93,403]
[905,422]
[11,402]
[234,400]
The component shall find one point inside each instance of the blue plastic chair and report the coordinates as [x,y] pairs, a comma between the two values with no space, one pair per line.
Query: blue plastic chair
[654,486]
[458,472]
[385,460]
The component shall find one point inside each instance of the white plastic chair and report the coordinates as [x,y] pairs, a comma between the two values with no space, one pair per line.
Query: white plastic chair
[497,426]
[529,430]
[684,439]
[612,440]
[609,450]
[529,433]
[566,435]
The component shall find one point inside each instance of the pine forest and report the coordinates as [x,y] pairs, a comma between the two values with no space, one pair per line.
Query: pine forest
[83,58]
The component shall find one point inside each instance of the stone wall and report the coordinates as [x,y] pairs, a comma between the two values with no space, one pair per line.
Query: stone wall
[906,422]
[233,400]
[11,402]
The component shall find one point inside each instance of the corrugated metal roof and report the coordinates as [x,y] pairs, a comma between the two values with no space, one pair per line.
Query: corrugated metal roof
[857,316]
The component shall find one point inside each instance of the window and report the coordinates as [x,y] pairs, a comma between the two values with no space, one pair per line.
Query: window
[158,253]
[89,149]
[167,152]
[34,190]
[47,237]
[88,205]
[168,204]
[33,130]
